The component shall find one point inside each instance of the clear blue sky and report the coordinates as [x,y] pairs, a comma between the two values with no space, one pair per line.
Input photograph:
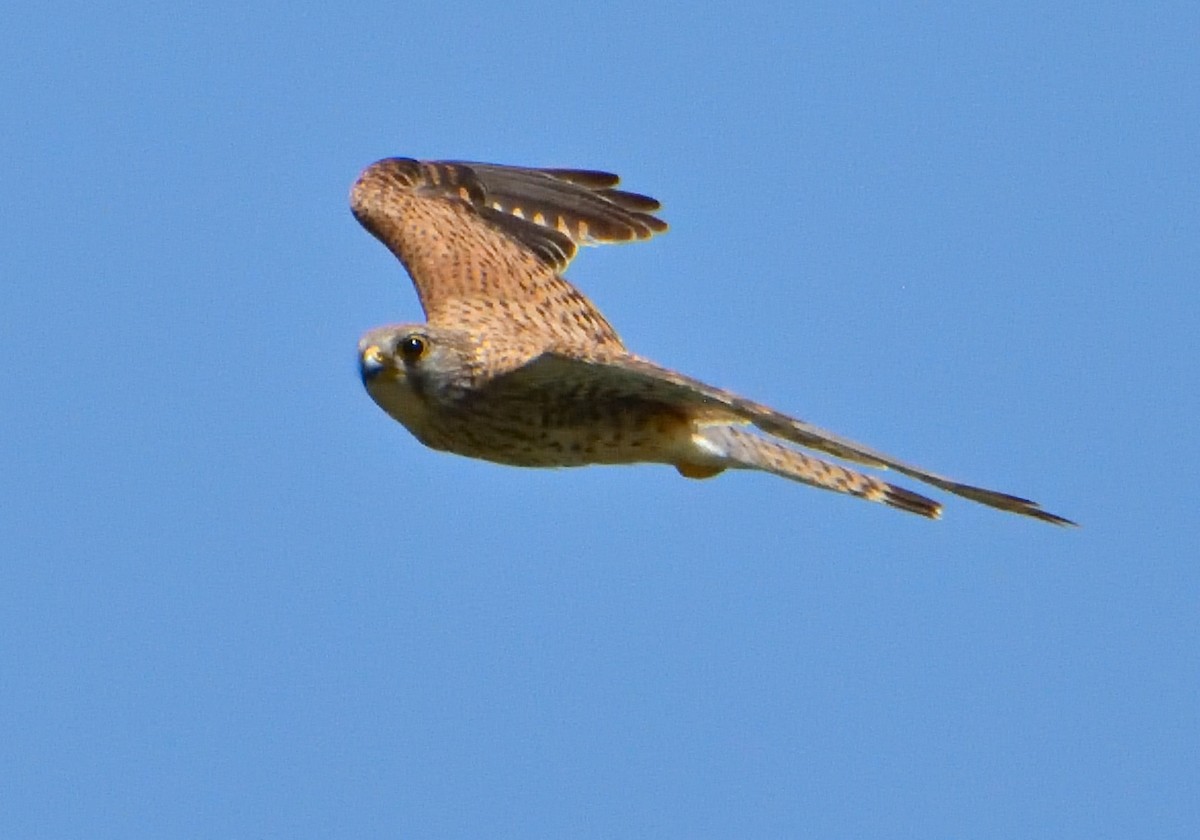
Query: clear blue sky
[238,601]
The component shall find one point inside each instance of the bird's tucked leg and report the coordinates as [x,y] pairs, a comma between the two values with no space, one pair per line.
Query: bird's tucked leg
[731,447]
[688,470]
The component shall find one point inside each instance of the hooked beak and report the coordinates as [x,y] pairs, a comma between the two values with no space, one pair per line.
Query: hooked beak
[371,363]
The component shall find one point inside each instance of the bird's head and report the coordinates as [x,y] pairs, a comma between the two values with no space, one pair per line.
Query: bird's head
[408,368]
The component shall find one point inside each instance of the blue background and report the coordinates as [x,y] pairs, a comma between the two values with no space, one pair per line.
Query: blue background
[239,601]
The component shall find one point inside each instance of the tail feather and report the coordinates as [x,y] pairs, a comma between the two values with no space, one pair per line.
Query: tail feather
[732,447]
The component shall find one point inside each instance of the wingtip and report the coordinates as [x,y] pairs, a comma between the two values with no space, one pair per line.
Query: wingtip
[1052,518]
[1010,503]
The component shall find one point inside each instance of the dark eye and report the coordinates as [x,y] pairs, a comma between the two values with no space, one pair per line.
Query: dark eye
[412,347]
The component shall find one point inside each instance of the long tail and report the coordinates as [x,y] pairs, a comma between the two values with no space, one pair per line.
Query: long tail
[730,447]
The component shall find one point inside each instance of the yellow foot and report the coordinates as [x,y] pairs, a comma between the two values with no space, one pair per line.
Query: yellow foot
[698,471]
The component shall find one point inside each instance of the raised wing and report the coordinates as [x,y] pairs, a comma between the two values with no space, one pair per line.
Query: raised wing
[632,378]
[479,238]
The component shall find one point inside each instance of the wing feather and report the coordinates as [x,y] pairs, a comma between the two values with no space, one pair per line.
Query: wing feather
[635,378]
[485,245]
[578,203]
[550,211]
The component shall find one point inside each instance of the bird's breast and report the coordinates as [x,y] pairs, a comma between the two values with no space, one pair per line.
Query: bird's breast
[555,430]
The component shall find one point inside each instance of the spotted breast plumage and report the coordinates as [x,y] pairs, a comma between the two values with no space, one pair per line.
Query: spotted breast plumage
[515,365]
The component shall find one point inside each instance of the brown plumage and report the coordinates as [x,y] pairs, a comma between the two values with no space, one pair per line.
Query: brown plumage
[516,366]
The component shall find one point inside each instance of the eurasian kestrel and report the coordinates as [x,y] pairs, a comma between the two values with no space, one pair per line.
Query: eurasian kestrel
[516,366]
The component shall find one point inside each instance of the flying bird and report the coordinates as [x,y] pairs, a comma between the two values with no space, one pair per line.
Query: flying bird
[515,365]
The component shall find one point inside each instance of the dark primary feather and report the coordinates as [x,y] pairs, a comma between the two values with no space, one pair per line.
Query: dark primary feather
[578,202]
